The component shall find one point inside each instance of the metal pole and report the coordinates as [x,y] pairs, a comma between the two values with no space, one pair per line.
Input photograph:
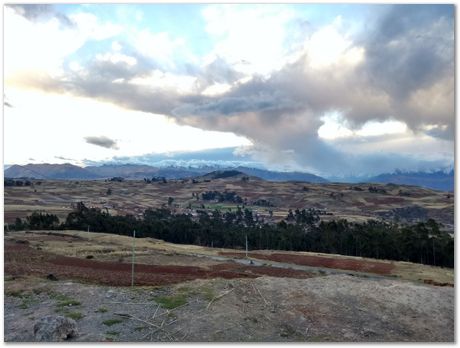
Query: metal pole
[132,262]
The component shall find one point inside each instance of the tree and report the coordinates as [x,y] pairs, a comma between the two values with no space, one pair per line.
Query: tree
[39,221]
[18,224]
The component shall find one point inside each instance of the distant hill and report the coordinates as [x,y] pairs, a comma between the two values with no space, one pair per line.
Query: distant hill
[122,170]
[139,171]
[136,171]
[281,176]
[72,172]
[436,180]
[222,174]
[50,171]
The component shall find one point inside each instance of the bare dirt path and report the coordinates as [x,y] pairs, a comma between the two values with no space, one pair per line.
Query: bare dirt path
[382,268]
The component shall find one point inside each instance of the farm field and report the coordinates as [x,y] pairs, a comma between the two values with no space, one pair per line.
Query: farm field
[277,296]
[353,202]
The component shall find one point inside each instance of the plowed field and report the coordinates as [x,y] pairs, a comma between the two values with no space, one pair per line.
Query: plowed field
[21,259]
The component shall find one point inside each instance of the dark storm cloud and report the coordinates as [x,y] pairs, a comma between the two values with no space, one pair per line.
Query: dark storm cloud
[240,101]
[65,158]
[33,11]
[36,12]
[102,141]
[407,74]
[411,49]
[446,133]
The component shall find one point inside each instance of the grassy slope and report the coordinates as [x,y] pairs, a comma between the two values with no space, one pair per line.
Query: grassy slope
[116,245]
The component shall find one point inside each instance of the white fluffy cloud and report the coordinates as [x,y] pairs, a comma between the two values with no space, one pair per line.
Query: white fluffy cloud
[160,47]
[37,48]
[252,39]
[329,46]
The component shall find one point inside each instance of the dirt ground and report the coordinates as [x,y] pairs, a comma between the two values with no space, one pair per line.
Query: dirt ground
[334,308]
[196,294]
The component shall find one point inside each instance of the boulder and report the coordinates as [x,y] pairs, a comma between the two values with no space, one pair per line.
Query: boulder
[55,329]
[51,276]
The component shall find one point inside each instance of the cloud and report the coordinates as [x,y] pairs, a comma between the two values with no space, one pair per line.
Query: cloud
[65,158]
[410,58]
[102,141]
[254,39]
[39,12]
[399,67]
[39,39]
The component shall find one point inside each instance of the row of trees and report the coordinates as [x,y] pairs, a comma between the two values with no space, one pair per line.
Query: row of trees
[225,196]
[161,179]
[423,242]
[13,182]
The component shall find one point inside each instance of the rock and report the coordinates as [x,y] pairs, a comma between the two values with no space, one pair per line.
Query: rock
[51,276]
[244,299]
[367,333]
[55,329]
[20,241]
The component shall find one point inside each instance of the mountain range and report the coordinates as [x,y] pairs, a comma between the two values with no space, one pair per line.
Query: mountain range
[136,171]
[439,180]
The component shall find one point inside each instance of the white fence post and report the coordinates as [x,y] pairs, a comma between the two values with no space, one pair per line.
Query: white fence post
[133,258]
[246,246]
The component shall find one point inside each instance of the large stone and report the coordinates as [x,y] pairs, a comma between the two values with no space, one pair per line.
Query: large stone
[55,329]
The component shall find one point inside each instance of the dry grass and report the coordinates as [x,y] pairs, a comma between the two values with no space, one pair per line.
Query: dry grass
[115,247]
[418,272]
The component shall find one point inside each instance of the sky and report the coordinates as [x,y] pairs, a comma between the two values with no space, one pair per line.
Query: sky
[331,89]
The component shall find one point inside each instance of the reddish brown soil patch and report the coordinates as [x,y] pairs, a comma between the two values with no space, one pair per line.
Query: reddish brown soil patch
[322,261]
[52,236]
[21,259]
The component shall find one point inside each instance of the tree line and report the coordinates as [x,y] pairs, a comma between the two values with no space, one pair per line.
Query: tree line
[302,230]
[226,196]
